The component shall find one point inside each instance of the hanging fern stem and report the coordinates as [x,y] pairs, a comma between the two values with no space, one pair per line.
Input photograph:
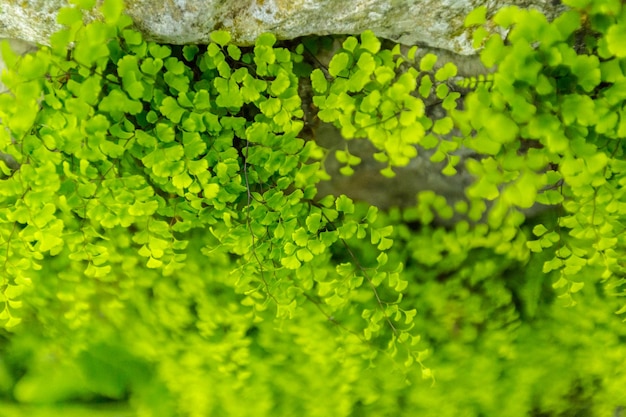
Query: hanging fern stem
[367,277]
[249,225]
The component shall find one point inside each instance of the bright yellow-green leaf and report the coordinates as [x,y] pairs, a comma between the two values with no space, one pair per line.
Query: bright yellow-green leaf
[220,37]
[476,17]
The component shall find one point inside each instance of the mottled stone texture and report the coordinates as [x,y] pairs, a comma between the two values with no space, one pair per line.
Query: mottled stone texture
[435,23]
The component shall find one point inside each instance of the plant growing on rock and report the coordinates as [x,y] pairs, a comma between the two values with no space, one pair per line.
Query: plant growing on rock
[159,207]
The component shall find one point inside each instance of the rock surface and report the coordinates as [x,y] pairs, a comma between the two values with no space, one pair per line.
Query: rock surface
[435,23]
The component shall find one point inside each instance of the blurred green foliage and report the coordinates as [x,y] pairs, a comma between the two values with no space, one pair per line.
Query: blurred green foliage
[163,252]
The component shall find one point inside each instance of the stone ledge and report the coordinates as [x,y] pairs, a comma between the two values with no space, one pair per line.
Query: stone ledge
[435,23]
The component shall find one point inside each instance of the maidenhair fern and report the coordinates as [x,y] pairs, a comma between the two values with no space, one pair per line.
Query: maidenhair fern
[551,119]
[370,94]
[120,135]
[159,203]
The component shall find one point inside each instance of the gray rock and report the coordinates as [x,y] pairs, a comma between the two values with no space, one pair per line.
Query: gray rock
[435,23]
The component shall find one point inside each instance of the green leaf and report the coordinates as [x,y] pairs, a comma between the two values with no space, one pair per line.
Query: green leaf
[479,36]
[190,52]
[615,40]
[202,100]
[587,71]
[220,37]
[346,171]
[350,44]
[175,66]
[426,85]
[335,300]
[9,57]
[539,230]
[370,103]
[96,124]
[507,16]
[578,107]
[449,70]
[69,15]
[344,204]
[134,40]
[313,222]
[338,64]
[318,81]
[159,52]
[370,42]
[476,17]
[117,103]
[493,52]
[610,70]
[151,66]
[304,255]
[388,172]
[48,240]
[210,191]
[179,83]
[270,107]
[280,84]
[234,52]
[154,263]
[290,262]
[165,132]
[596,162]
[182,181]
[384,75]
[172,110]
[428,62]
[523,192]
[112,10]
[145,139]
[193,144]
[266,39]
[59,42]
[229,94]
[567,23]
[550,197]
[443,126]
[501,128]
[194,123]
[442,91]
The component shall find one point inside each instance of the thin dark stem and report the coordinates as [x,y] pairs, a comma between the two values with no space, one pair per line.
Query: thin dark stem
[249,225]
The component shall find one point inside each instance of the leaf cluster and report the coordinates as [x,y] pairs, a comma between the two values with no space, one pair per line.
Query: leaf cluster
[368,92]
[132,153]
[550,125]
[161,206]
